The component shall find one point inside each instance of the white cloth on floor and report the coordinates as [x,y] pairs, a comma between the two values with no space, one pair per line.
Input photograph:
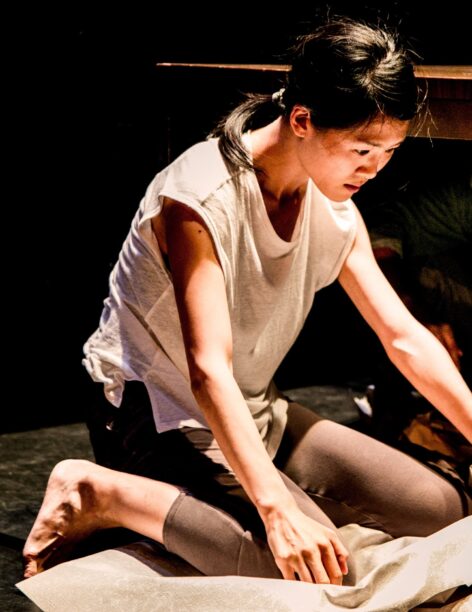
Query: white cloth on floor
[390,574]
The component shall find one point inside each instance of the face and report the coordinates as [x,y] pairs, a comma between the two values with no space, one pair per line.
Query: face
[340,161]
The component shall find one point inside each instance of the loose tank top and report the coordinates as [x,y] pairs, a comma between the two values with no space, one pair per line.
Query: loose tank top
[270,286]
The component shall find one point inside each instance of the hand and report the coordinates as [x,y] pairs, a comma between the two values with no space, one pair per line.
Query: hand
[445,335]
[304,548]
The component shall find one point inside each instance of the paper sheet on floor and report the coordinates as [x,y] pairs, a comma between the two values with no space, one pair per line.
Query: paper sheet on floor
[389,574]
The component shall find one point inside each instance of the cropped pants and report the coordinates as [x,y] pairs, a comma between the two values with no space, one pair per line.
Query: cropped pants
[336,475]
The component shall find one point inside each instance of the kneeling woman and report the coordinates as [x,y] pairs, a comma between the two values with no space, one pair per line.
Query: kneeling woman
[213,283]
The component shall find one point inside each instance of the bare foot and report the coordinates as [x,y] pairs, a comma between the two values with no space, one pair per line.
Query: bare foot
[70,511]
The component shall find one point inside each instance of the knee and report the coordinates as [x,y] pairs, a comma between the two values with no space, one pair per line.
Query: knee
[445,505]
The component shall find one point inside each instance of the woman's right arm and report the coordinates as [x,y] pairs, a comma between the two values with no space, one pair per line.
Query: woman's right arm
[300,545]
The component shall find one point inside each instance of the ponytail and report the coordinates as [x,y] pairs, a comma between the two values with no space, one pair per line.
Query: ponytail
[255,111]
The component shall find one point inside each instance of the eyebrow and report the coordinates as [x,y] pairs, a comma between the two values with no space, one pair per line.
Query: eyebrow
[377,144]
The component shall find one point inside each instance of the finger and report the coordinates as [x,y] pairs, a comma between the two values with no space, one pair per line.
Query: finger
[339,548]
[332,566]
[317,569]
[303,572]
[296,570]
[342,554]
[343,564]
[286,570]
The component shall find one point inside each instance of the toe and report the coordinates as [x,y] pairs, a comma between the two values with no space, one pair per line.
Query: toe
[31,567]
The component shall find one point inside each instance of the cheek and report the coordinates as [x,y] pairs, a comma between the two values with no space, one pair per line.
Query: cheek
[384,161]
[340,164]
[348,165]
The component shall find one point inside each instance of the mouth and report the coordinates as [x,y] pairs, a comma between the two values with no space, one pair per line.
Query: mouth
[352,188]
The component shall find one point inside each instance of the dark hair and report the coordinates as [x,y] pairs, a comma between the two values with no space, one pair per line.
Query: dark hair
[345,72]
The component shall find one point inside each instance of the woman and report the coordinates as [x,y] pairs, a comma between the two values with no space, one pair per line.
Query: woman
[212,286]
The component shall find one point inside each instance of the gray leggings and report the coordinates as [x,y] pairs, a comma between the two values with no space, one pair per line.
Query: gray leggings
[337,476]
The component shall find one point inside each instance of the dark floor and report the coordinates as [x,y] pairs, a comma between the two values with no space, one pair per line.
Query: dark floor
[27,457]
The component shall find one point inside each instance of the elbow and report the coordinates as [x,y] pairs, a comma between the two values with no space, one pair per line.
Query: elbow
[206,373]
[400,348]
[200,380]
[405,345]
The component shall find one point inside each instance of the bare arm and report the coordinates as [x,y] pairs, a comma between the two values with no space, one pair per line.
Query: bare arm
[410,346]
[298,543]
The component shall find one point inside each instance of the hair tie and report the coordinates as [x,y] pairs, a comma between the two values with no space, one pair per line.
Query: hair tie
[278,99]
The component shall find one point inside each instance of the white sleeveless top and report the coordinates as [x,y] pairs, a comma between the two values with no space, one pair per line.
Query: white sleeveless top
[270,286]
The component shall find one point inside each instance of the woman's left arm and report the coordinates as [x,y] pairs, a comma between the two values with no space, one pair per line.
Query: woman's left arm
[410,346]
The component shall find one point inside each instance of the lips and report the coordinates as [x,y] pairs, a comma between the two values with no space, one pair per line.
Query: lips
[356,185]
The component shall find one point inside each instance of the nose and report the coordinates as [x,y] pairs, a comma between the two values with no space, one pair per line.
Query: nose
[369,168]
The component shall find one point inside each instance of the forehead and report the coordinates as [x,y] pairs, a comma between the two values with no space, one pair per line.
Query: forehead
[381,132]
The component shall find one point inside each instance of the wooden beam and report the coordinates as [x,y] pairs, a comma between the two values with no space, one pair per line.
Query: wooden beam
[449,94]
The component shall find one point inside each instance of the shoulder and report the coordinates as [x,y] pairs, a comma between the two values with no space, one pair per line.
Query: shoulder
[199,171]
[192,178]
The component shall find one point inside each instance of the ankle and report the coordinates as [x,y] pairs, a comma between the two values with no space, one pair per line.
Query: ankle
[98,486]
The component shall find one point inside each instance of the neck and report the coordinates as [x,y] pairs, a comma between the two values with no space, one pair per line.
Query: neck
[280,176]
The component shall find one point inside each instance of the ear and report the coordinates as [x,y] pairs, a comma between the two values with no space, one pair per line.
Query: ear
[300,120]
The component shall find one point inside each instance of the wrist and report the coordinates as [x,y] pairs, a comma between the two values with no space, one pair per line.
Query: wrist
[272,505]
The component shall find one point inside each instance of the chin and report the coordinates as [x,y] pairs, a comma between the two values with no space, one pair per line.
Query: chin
[340,195]
[346,196]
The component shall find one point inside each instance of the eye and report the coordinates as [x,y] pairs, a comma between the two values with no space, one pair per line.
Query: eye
[362,151]
[392,151]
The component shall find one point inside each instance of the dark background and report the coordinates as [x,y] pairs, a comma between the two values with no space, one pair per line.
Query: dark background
[93,120]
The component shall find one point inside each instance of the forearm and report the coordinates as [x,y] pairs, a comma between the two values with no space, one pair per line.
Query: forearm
[429,367]
[235,431]
[302,548]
